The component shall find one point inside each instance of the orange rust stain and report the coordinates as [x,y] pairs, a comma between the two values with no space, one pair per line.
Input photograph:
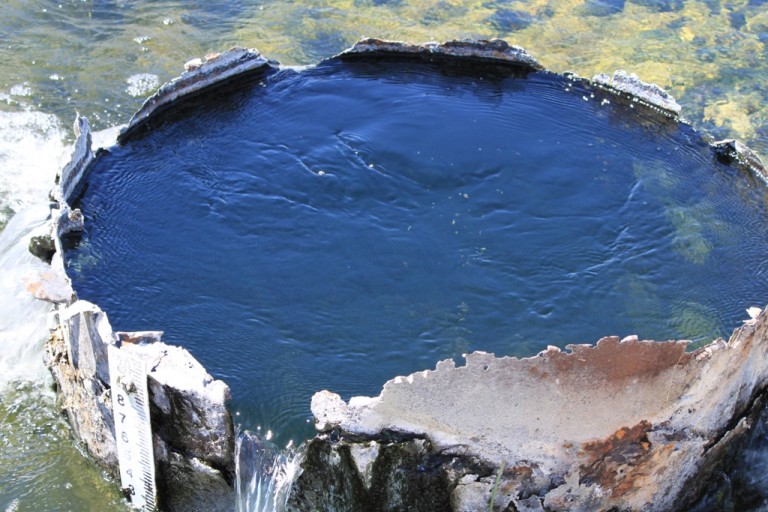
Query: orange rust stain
[608,462]
[614,361]
[519,472]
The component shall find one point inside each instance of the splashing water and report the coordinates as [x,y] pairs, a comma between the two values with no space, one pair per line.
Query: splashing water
[264,474]
[31,151]
[23,318]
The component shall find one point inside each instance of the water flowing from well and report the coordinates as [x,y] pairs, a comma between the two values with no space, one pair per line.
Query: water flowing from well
[22,318]
[264,474]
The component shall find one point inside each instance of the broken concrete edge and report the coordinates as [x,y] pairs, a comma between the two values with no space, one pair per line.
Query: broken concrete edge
[199,75]
[71,176]
[55,286]
[647,94]
[493,50]
[732,151]
[192,426]
[193,433]
[624,423]
[498,51]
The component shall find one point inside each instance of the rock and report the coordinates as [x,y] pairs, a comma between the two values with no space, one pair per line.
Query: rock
[85,401]
[196,421]
[732,151]
[51,287]
[405,474]
[624,424]
[190,485]
[507,20]
[88,334]
[68,220]
[603,7]
[43,247]
[193,64]
[194,435]
[661,5]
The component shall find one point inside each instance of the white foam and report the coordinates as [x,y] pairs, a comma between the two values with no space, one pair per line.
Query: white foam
[21,90]
[31,151]
[264,475]
[142,84]
[22,318]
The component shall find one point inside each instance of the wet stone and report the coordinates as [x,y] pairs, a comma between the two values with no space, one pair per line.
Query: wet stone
[50,287]
[405,474]
[43,247]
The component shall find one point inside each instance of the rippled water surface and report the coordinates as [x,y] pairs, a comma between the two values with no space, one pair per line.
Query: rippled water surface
[333,228]
[103,57]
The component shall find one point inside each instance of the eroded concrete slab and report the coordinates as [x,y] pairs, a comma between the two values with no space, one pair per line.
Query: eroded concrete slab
[199,74]
[625,423]
[494,50]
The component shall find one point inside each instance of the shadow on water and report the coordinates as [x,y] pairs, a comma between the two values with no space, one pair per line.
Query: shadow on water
[264,474]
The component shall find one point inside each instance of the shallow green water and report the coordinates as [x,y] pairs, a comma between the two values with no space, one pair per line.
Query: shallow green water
[79,55]
[102,58]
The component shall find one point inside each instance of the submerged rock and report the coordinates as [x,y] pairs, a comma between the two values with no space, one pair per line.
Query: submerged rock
[507,20]
[603,7]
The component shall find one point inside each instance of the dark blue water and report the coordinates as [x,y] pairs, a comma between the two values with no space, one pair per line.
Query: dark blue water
[336,227]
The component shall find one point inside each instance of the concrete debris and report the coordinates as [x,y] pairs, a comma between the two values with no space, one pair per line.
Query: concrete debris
[626,423]
[72,175]
[732,151]
[650,95]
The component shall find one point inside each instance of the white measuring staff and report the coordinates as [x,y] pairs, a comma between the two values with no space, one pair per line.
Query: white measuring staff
[133,429]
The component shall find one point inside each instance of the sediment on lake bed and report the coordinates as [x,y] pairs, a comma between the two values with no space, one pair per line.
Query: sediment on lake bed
[626,424]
